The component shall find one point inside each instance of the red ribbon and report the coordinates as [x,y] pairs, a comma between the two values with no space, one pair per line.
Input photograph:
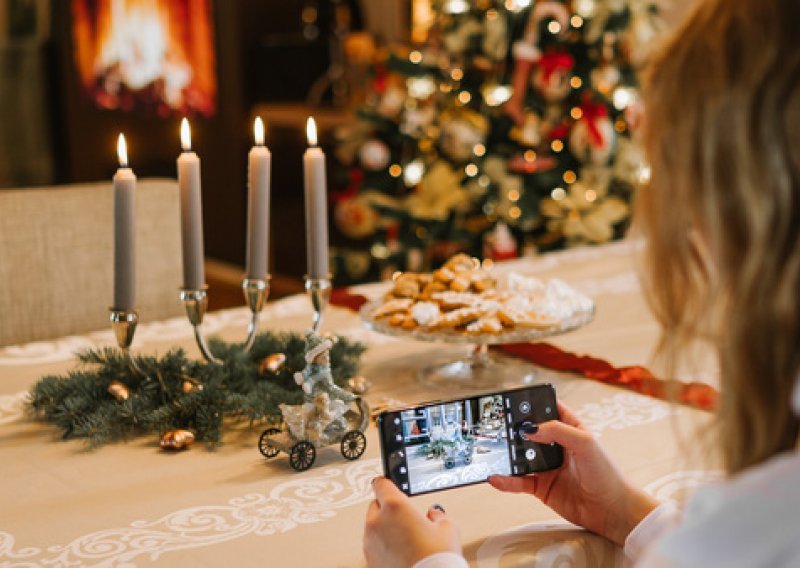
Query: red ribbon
[553,61]
[591,112]
[636,378]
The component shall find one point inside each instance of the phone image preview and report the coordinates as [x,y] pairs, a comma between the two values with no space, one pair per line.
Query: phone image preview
[445,444]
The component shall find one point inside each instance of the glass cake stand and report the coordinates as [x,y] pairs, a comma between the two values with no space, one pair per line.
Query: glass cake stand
[478,368]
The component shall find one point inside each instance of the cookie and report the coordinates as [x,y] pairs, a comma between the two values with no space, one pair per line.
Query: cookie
[458,317]
[393,306]
[486,324]
[426,313]
[443,274]
[460,284]
[406,286]
[452,300]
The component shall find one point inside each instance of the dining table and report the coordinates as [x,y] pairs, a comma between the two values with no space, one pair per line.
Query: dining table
[63,503]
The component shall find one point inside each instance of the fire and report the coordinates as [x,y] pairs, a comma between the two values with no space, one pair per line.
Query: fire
[157,52]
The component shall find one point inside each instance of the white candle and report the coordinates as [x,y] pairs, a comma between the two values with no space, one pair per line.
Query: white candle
[191,212]
[316,205]
[259,163]
[124,232]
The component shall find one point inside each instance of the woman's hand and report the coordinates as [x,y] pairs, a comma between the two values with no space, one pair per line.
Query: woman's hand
[398,534]
[589,489]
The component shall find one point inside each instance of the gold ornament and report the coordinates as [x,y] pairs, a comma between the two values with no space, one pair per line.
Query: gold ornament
[177,440]
[272,364]
[358,385]
[119,390]
[188,386]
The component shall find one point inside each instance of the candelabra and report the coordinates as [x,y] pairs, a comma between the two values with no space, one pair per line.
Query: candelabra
[195,300]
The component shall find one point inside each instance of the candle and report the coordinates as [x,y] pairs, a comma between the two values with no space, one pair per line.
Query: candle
[191,213]
[259,162]
[316,205]
[124,232]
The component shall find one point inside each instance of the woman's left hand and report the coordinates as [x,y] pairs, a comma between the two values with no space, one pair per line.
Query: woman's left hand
[398,534]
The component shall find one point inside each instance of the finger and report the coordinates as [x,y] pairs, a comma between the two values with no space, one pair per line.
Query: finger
[571,437]
[512,484]
[386,491]
[373,512]
[436,513]
[567,416]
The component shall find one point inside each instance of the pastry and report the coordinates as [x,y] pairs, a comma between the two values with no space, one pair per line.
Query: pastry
[393,306]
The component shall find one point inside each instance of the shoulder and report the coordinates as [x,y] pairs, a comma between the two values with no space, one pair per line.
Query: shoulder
[752,519]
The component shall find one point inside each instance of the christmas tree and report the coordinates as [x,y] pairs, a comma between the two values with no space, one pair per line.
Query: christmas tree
[510,127]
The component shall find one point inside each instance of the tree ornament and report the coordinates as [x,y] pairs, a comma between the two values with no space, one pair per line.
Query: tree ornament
[355,217]
[119,390]
[529,133]
[461,132]
[392,102]
[592,137]
[177,440]
[551,77]
[374,155]
[190,385]
[272,364]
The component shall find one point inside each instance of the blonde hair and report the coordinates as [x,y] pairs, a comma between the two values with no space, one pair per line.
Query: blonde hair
[722,134]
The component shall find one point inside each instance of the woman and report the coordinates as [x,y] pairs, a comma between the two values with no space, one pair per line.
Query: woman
[721,220]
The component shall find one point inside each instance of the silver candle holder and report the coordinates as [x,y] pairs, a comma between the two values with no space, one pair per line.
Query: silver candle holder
[256,292]
[319,292]
[123,323]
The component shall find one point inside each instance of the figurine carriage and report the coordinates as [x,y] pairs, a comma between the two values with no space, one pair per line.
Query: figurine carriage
[316,424]
[460,450]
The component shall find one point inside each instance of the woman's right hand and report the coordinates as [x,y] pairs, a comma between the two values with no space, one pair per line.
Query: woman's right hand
[588,489]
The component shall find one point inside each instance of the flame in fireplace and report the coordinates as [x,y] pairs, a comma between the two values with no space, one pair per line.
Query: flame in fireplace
[151,52]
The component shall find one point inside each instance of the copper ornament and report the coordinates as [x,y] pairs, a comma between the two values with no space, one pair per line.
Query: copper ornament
[188,386]
[119,390]
[177,440]
[272,364]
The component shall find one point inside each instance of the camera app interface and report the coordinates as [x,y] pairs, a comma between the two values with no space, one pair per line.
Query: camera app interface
[455,443]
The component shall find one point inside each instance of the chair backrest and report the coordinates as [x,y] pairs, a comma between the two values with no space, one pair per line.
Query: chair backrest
[56,258]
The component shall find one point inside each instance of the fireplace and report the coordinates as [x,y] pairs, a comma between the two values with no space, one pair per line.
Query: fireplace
[155,55]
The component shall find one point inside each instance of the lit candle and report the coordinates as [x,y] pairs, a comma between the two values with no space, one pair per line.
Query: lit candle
[191,212]
[316,205]
[124,232]
[258,179]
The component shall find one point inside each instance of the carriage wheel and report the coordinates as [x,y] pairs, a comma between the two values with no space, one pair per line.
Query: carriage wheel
[302,455]
[353,445]
[264,446]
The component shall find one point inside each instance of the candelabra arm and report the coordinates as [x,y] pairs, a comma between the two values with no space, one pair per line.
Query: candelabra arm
[256,292]
[319,291]
[196,303]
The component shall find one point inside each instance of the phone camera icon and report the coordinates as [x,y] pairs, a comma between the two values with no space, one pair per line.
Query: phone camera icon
[530,454]
[525,407]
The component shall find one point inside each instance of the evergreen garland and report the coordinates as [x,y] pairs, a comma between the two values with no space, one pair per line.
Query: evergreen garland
[80,404]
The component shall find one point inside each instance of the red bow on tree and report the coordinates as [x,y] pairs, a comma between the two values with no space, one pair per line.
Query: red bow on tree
[591,112]
[553,61]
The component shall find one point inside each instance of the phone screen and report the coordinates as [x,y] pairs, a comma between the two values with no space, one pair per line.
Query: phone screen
[445,444]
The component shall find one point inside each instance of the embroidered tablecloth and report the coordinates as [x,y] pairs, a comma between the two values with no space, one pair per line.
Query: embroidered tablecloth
[133,505]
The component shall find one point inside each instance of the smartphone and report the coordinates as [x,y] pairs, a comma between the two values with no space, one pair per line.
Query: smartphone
[448,443]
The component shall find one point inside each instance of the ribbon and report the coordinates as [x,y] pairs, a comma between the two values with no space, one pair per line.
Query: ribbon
[553,61]
[591,113]
[636,378]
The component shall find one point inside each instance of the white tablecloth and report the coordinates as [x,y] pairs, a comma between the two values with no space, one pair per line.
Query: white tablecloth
[131,504]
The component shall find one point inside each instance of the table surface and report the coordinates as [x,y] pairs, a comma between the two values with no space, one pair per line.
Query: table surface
[131,504]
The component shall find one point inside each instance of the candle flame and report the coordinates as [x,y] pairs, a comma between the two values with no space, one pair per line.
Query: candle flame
[186,135]
[311,131]
[122,151]
[258,131]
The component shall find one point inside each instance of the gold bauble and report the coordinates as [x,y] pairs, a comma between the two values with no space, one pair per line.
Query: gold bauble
[358,385]
[119,390]
[272,364]
[188,386]
[177,440]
